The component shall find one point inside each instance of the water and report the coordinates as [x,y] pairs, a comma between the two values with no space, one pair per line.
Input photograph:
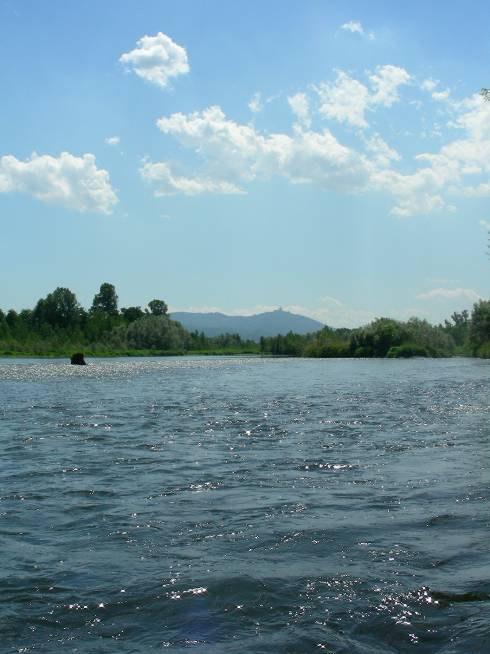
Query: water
[245,505]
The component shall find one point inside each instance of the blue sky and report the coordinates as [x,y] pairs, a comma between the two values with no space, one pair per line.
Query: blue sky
[329,157]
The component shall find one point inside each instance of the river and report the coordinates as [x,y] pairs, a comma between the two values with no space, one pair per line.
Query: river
[245,505]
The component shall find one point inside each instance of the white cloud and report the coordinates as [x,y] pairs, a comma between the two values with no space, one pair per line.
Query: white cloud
[301,108]
[344,100]
[448,171]
[112,140]
[450,294]
[156,59]
[232,154]
[478,191]
[381,151]
[441,96]
[429,84]
[239,153]
[415,193]
[70,181]
[347,100]
[255,105]
[485,224]
[355,27]
[164,182]
[385,82]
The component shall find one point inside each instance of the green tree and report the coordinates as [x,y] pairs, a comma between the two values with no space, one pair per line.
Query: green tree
[130,314]
[105,301]
[459,327]
[158,307]
[58,309]
[156,333]
[480,327]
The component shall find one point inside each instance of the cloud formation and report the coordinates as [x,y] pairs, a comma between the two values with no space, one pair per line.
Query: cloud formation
[300,107]
[69,181]
[156,59]
[241,154]
[355,27]
[165,182]
[346,100]
[230,155]
[112,140]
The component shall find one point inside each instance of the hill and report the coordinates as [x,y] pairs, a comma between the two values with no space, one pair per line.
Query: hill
[253,327]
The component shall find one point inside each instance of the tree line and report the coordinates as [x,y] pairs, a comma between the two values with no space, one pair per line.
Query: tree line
[58,324]
[463,334]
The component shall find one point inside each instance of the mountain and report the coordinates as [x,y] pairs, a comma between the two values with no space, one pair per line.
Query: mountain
[249,327]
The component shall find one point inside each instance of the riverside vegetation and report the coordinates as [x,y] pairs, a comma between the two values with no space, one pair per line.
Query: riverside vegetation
[58,325]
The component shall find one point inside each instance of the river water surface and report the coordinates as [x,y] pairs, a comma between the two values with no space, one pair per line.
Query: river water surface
[245,505]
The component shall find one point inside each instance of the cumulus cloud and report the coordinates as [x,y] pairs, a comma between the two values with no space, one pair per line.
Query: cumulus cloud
[431,85]
[380,150]
[450,294]
[240,153]
[232,154]
[165,182]
[156,59]
[344,100]
[451,171]
[112,140]
[69,181]
[355,27]
[347,99]
[386,82]
[441,96]
[300,107]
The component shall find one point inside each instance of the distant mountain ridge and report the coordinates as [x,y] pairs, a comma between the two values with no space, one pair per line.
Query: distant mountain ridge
[253,327]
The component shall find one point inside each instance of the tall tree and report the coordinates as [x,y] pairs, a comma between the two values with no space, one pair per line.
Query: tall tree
[105,301]
[58,309]
[158,307]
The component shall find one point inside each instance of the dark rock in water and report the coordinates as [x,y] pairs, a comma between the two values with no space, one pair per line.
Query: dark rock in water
[77,359]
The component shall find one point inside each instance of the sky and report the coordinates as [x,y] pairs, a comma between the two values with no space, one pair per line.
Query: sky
[329,157]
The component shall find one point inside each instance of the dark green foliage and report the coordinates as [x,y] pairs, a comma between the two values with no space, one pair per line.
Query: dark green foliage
[105,301]
[480,328]
[157,307]
[130,314]
[58,309]
[156,332]
[377,338]
[458,327]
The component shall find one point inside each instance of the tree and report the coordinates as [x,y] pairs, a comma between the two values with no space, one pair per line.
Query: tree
[158,307]
[480,325]
[58,309]
[459,327]
[156,333]
[130,314]
[105,301]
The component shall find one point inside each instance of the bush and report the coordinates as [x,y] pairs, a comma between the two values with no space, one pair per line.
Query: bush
[484,350]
